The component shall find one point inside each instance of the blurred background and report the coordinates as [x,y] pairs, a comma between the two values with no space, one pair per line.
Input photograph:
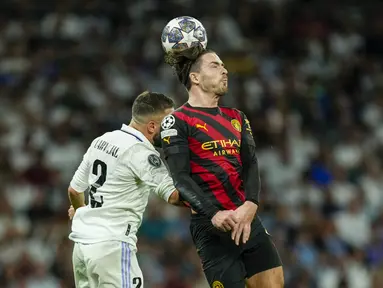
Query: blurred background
[308,74]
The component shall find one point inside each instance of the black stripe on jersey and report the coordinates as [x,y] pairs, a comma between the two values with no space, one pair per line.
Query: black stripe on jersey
[221,174]
[211,122]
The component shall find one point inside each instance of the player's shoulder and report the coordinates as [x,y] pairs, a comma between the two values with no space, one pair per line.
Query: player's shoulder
[95,141]
[142,148]
[123,138]
[231,112]
[138,152]
[175,119]
[182,113]
[144,155]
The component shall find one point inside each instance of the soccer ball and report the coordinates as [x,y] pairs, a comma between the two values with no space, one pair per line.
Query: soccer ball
[182,33]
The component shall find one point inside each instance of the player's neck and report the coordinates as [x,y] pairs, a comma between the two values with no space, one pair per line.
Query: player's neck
[139,128]
[202,99]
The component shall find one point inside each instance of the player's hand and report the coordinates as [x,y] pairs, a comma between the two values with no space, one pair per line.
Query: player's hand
[245,215]
[71,212]
[224,220]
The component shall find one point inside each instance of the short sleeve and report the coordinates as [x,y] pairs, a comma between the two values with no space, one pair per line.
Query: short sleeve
[174,135]
[147,165]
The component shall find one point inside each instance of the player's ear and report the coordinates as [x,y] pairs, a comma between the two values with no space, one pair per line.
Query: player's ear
[194,77]
[151,127]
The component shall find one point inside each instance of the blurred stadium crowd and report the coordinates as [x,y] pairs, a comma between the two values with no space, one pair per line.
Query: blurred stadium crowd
[307,73]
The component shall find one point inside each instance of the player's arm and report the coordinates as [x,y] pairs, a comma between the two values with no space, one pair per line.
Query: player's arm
[79,183]
[250,174]
[252,184]
[76,198]
[175,200]
[149,168]
[176,150]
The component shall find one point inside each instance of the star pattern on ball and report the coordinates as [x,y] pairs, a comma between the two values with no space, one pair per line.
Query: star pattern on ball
[188,37]
[166,42]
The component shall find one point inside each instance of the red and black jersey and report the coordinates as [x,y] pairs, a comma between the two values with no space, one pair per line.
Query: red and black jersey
[209,141]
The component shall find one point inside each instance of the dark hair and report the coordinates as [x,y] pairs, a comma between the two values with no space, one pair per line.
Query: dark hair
[149,103]
[186,61]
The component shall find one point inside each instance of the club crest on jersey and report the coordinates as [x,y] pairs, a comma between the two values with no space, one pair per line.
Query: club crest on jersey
[168,122]
[154,160]
[236,125]
[217,284]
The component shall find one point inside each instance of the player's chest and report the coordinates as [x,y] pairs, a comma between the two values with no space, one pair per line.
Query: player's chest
[215,136]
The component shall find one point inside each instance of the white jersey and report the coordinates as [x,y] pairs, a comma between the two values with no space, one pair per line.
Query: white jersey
[121,168]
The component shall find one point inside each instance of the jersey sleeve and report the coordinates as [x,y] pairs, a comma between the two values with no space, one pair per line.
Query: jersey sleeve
[80,180]
[174,137]
[250,174]
[147,165]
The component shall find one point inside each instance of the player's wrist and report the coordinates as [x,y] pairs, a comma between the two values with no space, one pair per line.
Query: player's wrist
[213,213]
[251,204]
[250,201]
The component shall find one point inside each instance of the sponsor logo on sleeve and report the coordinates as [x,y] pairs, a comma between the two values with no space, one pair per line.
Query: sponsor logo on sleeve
[168,133]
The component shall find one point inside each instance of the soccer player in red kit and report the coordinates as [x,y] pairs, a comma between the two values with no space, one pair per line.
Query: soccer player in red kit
[210,151]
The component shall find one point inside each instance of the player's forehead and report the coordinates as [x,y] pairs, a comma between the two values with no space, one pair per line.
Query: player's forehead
[209,58]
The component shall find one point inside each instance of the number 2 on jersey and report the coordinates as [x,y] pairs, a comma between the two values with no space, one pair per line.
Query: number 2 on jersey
[100,181]
[137,281]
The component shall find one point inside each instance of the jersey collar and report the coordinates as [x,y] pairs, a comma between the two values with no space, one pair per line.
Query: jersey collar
[135,133]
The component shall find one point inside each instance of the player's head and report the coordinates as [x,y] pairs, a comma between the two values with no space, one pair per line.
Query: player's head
[198,68]
[149,108]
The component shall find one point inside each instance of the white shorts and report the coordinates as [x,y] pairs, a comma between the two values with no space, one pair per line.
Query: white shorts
[106,264]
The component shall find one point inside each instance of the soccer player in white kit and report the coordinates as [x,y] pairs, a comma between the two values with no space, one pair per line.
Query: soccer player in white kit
[121,168]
